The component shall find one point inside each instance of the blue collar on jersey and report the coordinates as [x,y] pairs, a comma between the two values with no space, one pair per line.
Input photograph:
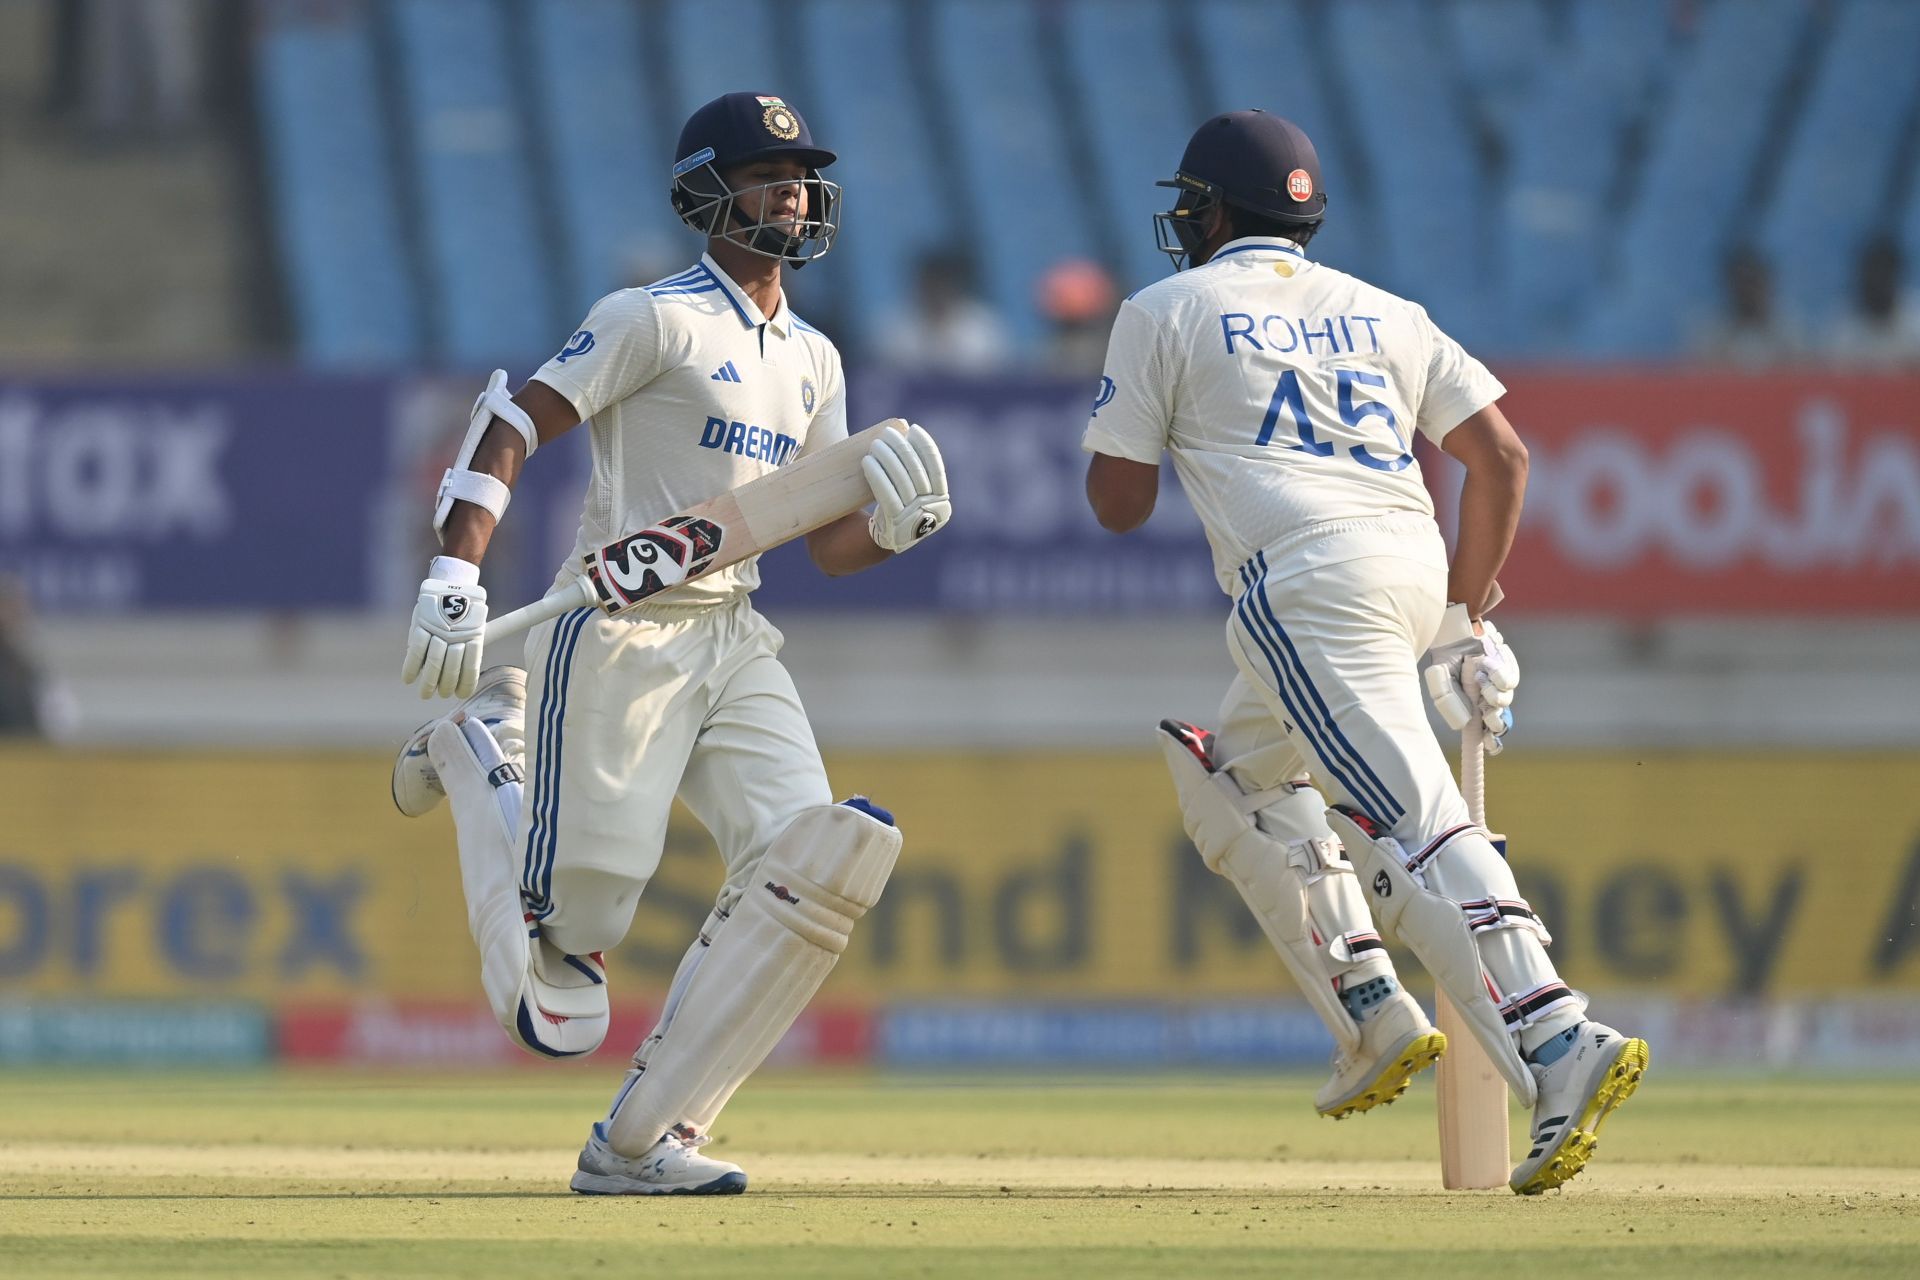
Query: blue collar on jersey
[1251,245]
[716,278]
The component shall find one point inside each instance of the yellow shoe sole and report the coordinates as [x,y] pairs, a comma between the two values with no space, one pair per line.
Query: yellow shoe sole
[1420,1053]
[1583,1137]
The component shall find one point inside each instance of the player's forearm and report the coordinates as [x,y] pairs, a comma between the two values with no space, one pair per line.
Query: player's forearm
[1490,502]
[845,546]
[469,528]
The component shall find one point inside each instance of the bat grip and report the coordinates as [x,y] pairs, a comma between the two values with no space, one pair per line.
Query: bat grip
[1473,770]
[575,594]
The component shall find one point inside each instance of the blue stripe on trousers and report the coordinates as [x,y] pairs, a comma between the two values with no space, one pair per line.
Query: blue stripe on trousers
[1353,753]
[1282,686]
[537,878]
[1288,687]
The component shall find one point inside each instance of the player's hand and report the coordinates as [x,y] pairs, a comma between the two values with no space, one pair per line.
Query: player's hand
[1472,676]
[909,483]
[449,621]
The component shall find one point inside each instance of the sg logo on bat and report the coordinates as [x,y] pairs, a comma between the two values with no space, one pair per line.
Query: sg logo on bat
[646,563]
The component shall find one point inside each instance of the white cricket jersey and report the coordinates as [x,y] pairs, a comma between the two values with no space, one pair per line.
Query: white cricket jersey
[689,392]
[1287,393]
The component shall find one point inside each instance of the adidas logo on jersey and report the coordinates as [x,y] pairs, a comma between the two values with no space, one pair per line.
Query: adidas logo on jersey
[727,373]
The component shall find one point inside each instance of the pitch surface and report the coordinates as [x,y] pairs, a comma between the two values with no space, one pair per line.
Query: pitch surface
[302,1175]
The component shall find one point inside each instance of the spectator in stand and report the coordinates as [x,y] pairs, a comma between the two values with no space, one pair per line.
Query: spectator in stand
[1079,300]
[129,68]
[1751,333]
[1884,333]
[31,706]
[949,329]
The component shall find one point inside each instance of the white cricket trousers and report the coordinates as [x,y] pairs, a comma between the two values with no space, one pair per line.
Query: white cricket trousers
[625,713]
[1333,654]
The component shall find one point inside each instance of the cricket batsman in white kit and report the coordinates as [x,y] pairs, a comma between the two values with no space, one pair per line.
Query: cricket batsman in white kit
[560,777]
[1287,393]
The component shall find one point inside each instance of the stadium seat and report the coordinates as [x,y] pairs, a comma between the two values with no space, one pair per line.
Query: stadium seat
[492,296]
[1566,147]
[1430,184]
[1500,53]
[724,46]
[1012,150]
[1686,202]
[900,194]
[1138,114]
[329,172]
[1833,181]
[609,142]
[1240,43]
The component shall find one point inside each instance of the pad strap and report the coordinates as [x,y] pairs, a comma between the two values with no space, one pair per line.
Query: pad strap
[1522,1011]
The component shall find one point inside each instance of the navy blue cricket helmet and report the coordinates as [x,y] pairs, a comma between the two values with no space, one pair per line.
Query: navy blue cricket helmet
[738,128]
[1248,159]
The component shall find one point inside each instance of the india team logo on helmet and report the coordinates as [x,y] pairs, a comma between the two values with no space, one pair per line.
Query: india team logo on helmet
[1300,186]
[779,119]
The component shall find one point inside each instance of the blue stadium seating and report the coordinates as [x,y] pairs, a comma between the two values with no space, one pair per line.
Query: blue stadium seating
[1829,186]
[722,46]
[725,46]
[328,166]
[1013,150]
[1566,151]
[457,179]
[900,196]
[608,144]
[1689,197]
[1137,114]
[492,296]
[1499,53]
[1263,53]
[1431,187]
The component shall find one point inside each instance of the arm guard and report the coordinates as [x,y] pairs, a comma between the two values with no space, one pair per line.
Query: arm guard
[463,484]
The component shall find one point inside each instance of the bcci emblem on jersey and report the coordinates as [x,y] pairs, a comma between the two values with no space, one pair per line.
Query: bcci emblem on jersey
[806,394]
[779,119]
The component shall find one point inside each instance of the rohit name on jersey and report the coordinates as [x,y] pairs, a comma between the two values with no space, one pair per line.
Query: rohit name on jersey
[748,441]
[1318,335]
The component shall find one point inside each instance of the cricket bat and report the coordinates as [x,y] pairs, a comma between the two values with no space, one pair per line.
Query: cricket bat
[1474,1145]
[758,516]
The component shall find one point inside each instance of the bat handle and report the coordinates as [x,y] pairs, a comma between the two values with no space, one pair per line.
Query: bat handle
[575,594]
[1473,770]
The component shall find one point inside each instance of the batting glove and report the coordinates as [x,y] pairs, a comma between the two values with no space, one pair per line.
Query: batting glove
[1472,676]
[909,483]
[449,622]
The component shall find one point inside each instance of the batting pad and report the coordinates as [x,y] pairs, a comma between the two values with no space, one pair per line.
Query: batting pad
[1436,930]
[1285,884]
[484,792]
[764,965]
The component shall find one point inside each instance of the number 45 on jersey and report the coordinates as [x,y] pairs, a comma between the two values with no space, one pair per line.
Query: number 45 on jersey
[1356,416]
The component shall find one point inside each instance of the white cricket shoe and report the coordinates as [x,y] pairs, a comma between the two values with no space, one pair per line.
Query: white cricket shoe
[1597,1070]
[670,1167]
[1396,1044]
[499,701]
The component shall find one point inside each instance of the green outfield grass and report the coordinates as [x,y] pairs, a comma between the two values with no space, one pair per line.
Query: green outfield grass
[294,1175]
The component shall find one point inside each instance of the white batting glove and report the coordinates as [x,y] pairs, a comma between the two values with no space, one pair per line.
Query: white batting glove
[909,483]
[1472,676]
[449,621]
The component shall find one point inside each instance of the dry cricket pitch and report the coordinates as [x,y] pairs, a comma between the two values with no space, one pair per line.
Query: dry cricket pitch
[294,1175]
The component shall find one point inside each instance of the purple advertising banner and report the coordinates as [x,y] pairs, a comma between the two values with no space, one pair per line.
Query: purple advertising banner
[237,492]
[1023,539]
[294,491]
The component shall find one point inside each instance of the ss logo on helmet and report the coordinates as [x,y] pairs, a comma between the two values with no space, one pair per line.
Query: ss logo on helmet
[453,608]
[1382,887]
[1300,186]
